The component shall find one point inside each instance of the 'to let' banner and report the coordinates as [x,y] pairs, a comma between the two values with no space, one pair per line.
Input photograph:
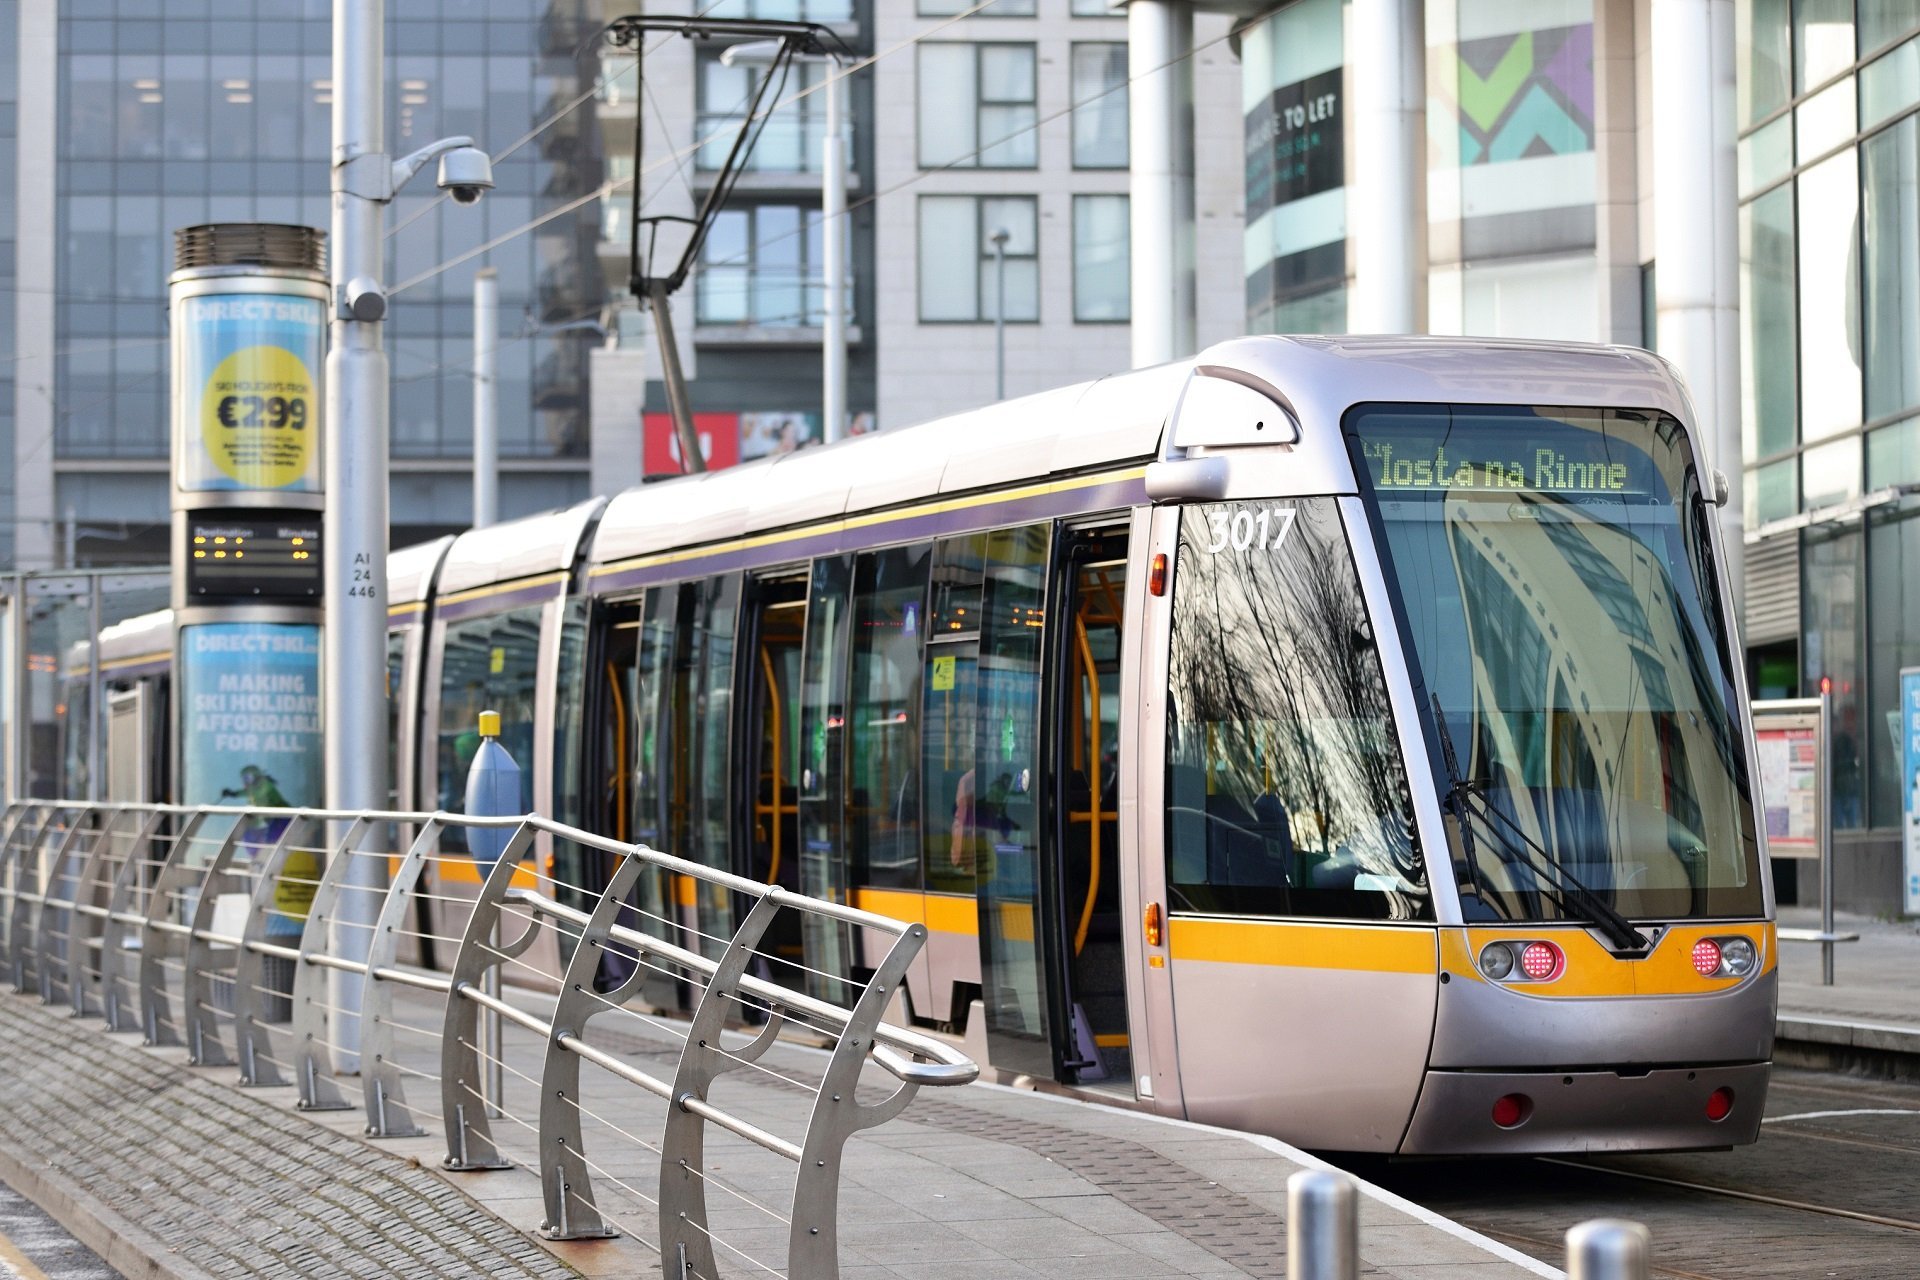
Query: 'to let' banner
[250,369]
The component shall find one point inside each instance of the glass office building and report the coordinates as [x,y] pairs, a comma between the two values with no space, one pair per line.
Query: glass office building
[176,112]
[1539,203]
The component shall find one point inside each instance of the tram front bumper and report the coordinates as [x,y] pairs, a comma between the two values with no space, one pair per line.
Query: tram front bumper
[1665,1109]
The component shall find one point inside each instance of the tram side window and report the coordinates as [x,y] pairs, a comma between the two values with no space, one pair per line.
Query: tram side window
[1286,793]
[889,625]
[490,663]
[396,692]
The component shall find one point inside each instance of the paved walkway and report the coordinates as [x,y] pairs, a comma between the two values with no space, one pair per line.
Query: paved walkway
[1874,1002]
[168,1171]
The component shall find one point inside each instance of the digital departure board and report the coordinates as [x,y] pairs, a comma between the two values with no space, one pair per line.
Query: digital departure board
[1515,465]
[243,555]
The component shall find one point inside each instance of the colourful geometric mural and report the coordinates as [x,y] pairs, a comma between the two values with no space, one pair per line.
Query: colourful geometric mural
[1524,95]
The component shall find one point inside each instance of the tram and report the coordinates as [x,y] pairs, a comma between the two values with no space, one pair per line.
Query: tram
[1337,738]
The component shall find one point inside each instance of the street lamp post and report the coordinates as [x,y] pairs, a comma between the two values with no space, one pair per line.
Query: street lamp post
[354,649]
[1000,238]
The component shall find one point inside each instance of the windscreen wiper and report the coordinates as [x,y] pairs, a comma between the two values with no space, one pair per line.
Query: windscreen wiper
[1462,817]
[1467,801]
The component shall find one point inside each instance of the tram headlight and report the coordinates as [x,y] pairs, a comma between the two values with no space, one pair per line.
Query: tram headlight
[1496,960]
[1736,957]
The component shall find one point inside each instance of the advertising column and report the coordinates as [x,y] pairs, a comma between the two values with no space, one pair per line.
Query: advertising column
[249,322]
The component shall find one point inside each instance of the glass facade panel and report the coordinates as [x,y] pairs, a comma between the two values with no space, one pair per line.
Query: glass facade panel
[1884,20]
[1102,288]
[1893,454]
[1893,560]
[1825,120]
[1829,211]
[1769,333]
[998,9]
[1099,90]
[1832,617]
[1830,473]
[1822,41]
[1764,38]
[1890,277]
[1890,85]
[1766,155]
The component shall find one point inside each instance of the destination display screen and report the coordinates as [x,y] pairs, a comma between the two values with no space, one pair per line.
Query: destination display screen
[235,555]
[1507,453]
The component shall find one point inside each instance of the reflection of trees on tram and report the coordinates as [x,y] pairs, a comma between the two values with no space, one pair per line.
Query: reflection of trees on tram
[1285,785]
[1595,707]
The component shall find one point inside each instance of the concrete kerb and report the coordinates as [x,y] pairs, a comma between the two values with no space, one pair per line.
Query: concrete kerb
[122,1244]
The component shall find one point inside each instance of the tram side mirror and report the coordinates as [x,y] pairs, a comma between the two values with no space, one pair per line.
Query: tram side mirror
[1722,492]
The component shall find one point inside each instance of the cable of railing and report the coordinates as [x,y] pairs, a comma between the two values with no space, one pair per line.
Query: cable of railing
[948,1065]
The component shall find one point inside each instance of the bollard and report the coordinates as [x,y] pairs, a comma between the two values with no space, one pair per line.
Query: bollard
[1608,1249]
[493,791]
[1323,1231]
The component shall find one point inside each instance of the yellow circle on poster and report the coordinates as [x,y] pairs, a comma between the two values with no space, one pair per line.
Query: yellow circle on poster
[257,417]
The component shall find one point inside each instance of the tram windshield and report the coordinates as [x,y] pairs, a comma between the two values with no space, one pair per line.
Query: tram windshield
[1559,592]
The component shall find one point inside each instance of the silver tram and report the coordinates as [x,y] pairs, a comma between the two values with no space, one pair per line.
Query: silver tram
[1337,738]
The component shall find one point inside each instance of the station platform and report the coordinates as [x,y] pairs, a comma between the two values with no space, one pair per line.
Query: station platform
[1870,1016]
[168,1170]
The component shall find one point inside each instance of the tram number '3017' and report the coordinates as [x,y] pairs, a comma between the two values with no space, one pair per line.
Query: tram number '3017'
[1247,530]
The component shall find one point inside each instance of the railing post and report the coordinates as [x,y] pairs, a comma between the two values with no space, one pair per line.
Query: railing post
[123,1014]
[156,1008]
[83,927]
[203,1026]
[388,1115]
[813,1244]
[1608,1249]
[252,1043]
[50,939]
[1323,1230]
[565,1181]
[312,1062]
[683,1191]
[24,819]
[462,1105]
[26,863]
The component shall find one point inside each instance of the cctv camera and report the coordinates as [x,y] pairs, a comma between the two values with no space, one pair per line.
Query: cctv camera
[465,173]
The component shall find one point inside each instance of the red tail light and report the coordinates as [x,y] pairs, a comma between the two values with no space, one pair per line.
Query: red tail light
[1720,1104]
[1706,961]
[1510,1111]
[1541,961]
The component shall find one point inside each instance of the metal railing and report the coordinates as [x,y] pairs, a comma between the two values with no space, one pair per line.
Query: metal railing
[113,909]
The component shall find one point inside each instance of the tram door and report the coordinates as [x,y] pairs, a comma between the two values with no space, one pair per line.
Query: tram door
[1045,807]
[1090,580]
[774,623]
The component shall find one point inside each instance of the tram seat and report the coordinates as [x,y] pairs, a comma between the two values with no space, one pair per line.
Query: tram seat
[1248,847]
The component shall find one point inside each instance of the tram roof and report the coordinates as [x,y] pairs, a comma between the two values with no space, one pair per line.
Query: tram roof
[1061,432]
[523,548]
[410,570]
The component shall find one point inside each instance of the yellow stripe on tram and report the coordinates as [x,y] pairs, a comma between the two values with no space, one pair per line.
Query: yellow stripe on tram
[1374,948]
[941,912]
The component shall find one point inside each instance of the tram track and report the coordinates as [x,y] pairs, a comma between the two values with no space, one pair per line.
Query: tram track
[1753,1197]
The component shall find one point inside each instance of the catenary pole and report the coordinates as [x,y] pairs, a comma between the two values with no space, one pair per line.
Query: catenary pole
[354,657]
[486,415]
[833,201]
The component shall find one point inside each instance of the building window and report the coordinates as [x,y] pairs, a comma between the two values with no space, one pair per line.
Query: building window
[977,106]
[781,10]
[789,142]
[760,265]
[959,268]
[1102,285]
[998,9]
[1891,276]
[1095,9]
[1100,105]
